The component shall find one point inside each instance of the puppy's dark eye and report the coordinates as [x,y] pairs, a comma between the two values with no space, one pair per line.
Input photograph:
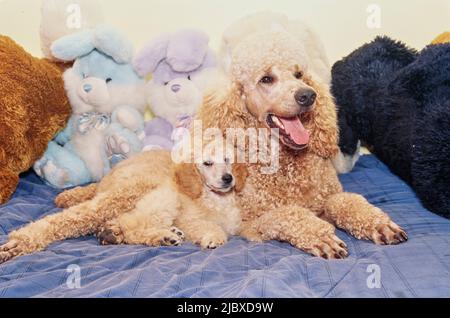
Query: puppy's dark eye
[208,163]
[227,160]
[298,75]
[267,80]
[189,78]
[108,80]
[166,83]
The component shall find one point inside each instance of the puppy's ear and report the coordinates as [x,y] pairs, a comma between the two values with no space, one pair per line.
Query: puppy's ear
[324,130]
[188,180]
[240,174]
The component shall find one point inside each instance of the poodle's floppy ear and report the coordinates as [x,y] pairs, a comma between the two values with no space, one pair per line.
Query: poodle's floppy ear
[73,46]
[240,174]
[188,180]
[224,106]
[110,41]
[148,59]
[187,50]
[324,130]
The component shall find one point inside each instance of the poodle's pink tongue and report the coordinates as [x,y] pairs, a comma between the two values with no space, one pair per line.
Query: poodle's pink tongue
[295,129]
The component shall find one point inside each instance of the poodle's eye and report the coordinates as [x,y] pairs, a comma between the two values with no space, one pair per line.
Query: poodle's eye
[208,163]
[227,160]
[267,80]
[108,80]
[298,75]
[166,83]
[189,78]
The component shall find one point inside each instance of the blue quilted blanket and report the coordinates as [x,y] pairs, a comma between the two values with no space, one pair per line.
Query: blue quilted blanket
[82,268]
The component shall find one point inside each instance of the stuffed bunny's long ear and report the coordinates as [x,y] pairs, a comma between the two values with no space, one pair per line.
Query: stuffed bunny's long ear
[73,46]
[187,50]
[148,59]
[112,43]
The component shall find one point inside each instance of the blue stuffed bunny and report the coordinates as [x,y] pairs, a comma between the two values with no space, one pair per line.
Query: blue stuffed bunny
[108,100]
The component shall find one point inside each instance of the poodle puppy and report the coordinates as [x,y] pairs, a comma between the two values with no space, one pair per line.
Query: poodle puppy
[270,87]
[199,205]
[396,101]
[140,201]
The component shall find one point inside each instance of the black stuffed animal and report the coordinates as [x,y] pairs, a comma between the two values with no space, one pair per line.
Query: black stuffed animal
[397,102]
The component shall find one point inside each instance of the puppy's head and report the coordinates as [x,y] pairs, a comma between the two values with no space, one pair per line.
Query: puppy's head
[214,171]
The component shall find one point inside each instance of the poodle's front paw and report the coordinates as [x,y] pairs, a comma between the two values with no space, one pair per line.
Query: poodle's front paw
[173,237]
[178,232]
[388,233]
[13,248]
[250,233]
[330,247]
[111,234]
[214,239]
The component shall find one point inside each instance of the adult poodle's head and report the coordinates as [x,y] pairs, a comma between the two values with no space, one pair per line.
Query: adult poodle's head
[272,88]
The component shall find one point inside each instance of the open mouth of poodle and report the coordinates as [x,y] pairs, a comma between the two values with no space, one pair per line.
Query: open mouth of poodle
[292,132]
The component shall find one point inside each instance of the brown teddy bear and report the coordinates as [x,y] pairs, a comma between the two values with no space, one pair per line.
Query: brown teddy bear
[33,109]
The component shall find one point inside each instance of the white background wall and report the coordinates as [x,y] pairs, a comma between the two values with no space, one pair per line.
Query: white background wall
[342,24]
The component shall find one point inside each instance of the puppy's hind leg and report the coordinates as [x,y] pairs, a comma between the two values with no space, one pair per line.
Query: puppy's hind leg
[76,196]
[76,221]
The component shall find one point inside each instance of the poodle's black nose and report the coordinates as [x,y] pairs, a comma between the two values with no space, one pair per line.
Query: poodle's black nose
[227,178]
[305,97]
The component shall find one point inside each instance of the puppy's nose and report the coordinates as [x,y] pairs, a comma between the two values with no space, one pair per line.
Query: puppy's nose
[227,178]
[176,88]
[305,97]
[87,88]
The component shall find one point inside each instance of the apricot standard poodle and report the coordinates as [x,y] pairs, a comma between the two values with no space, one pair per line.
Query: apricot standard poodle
[270,86]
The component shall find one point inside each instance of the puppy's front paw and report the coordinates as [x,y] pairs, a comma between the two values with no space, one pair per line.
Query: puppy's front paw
[214,239]
[250,233]
[173,237]
[389,233]
[329,247]
[111,234]
[178,232]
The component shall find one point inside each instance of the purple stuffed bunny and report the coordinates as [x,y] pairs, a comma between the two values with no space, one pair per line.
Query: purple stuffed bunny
[179,64]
